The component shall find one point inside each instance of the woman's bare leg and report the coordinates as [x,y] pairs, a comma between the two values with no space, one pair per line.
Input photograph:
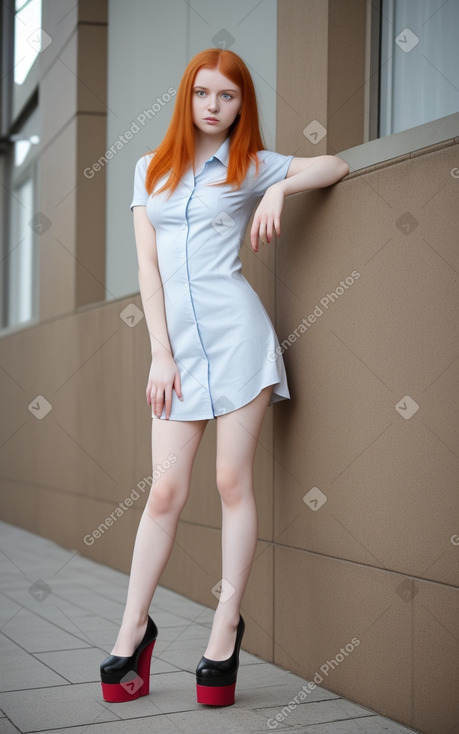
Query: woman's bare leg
[237,439]
[177,442]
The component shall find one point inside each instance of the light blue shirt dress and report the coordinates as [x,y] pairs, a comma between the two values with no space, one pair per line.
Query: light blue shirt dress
[221,337]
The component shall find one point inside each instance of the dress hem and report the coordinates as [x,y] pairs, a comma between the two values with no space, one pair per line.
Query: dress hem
[275,398]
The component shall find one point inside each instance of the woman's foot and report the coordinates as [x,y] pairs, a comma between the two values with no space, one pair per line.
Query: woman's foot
[127,677]
[216,679]
[223,636]
[129,636]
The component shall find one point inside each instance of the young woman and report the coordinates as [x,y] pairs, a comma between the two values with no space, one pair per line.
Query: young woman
[210,340]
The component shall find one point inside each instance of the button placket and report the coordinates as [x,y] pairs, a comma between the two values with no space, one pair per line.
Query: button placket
[200,350]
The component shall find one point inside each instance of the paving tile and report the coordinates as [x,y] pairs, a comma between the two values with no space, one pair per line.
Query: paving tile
[181,653]
[265,675]
[247,658]
[188,631]
[104,639]
[161,666]
[230,720]
[52,603]
[316,713]
[264,685]
[205,720]
[35,634]
[32,563]
[42,709]
[94,602]
[21,670]
[88,626]
[381,725]
[75,621]
[16,587]
[6,727]
[8,609]
[174,602]
[91,630]
[90,600]
[365,725]
[170,604]
[77,666]
[160,724]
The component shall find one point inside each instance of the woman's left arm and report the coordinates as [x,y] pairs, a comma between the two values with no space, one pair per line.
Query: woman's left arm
[304,174]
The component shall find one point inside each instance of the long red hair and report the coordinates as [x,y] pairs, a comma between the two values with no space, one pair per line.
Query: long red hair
[176,152]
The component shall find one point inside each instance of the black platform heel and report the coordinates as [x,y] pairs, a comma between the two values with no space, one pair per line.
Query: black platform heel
[216,679]
[125,679]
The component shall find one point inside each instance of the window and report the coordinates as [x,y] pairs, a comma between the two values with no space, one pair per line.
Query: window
[21,257]
[419,63]
[19,138]
[27,37]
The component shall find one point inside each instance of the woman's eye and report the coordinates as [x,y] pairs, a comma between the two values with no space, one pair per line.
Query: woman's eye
[227,96]
[200,92]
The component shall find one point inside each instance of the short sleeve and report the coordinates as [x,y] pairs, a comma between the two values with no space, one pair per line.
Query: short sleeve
[141,195]
[273,168]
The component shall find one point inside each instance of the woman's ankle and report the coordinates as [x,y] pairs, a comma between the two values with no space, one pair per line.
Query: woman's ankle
[134,619]
[129,636]
[226,616]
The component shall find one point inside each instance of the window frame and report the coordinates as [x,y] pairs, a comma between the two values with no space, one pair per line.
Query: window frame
[14,114]
[376,150]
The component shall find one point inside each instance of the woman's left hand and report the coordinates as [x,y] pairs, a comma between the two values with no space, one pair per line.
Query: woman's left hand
[267,216]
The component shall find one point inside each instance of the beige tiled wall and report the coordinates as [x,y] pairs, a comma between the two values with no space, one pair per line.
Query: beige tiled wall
[376,561]
[374,567]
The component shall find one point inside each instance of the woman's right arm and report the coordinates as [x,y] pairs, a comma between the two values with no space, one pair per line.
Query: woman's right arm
[164,374]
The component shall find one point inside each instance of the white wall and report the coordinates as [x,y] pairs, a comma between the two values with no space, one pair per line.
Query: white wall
[149,44]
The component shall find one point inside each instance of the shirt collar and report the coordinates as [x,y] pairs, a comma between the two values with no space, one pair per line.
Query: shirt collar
[223,152]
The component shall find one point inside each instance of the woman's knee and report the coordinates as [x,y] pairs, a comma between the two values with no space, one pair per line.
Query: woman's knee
[232,484]
[166,496]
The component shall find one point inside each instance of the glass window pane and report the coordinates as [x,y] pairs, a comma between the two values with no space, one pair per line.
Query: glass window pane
[27,42]
[419,62]
[20,261]
[27,140]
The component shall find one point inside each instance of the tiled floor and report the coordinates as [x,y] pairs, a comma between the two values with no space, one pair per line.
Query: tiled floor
[59,614]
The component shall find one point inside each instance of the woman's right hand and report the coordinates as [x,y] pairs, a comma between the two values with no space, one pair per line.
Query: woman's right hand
[163,378]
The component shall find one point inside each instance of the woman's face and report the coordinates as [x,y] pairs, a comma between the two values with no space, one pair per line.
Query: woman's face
[216,102]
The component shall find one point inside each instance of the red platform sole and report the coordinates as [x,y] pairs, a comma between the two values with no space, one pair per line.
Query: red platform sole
[133,684]
[216,695]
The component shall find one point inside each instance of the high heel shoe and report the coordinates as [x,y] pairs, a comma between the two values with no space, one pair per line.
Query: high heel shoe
[216,679]
[127,678]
